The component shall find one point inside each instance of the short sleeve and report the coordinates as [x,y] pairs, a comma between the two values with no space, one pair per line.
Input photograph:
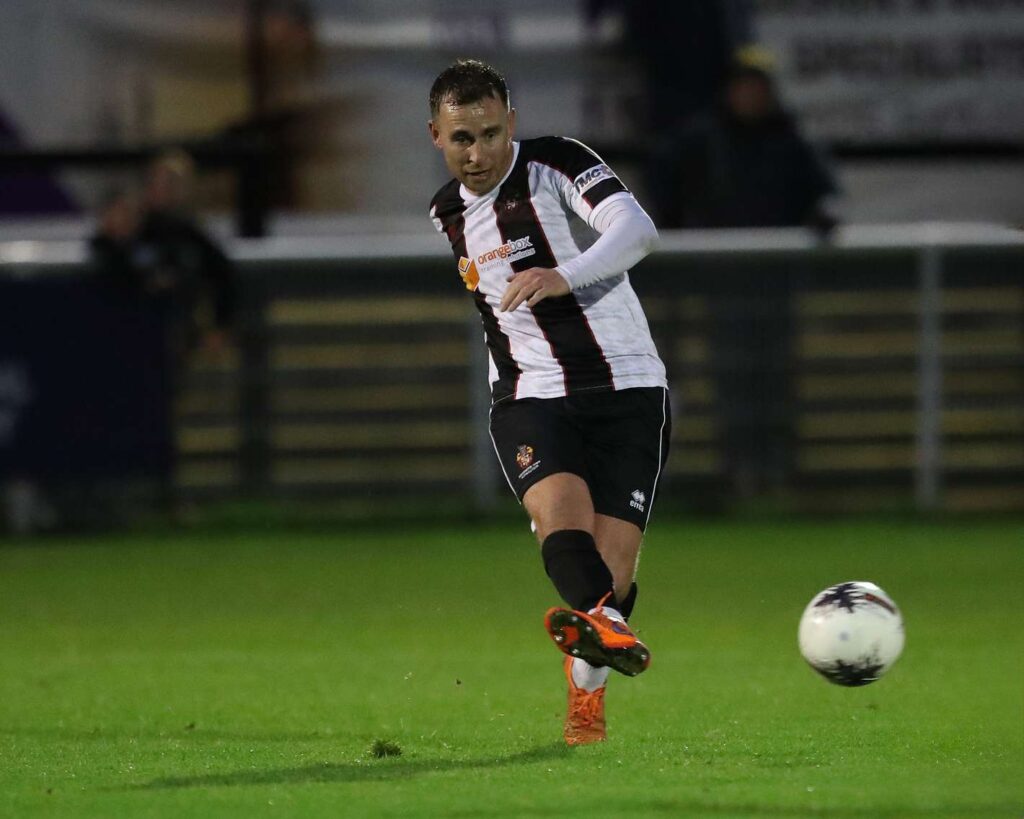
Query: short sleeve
[446,208]
[438,224]
[584,180]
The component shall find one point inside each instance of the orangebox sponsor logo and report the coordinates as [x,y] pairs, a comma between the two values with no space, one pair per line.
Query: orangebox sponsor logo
[470,276]
[508,252]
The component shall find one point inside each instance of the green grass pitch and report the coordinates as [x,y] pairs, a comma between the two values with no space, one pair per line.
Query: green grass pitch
[250,674]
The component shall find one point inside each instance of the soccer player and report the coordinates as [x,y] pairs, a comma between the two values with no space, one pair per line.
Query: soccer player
[544,234]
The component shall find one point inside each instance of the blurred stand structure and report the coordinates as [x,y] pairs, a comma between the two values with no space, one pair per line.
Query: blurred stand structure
[84,400]
[232,85]
[303,104]
[900,349]
[684,51]
[356,380]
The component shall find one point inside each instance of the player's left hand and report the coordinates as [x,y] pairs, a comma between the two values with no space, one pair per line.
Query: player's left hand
[532,286]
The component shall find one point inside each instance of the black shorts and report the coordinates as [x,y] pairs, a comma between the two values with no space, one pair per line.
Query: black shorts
[617,441]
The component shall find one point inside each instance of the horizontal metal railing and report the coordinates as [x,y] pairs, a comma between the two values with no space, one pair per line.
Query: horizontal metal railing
[882,362]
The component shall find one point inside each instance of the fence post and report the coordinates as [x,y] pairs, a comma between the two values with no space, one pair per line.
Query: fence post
[928,466]
[482,473]
[254,452]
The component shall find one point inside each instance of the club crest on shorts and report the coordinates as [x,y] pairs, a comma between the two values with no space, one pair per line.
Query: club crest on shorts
[524,455]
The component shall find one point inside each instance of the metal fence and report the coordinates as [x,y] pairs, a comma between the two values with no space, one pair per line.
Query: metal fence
[882,367]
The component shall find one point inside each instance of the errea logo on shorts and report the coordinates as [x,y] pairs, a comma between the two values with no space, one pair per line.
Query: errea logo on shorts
[638,500]
[586,180]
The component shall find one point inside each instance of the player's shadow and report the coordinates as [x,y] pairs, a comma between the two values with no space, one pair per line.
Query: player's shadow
[368,770]
[186,734]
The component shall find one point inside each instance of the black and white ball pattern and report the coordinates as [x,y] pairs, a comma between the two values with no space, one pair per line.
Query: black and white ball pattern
[851,633]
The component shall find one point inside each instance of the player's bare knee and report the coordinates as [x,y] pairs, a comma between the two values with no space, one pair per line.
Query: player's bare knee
[559,501]
[554,519]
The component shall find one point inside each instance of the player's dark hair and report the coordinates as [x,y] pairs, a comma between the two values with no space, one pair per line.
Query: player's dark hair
[466,81]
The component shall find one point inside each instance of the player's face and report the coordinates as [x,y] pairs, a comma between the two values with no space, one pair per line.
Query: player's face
[476,140]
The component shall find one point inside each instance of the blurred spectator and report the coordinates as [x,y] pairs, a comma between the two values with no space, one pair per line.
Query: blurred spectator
[179,261]
[683,49]
[154,250]
[289,36]
[744,164]
[113,246]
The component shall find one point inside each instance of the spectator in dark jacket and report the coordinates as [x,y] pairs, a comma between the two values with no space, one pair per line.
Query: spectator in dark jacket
[743,165]
[160,255]
[181,260]
[746,165]
[112,248]
[156,250]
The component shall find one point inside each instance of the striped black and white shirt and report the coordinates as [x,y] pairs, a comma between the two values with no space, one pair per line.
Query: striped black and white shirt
[544,213]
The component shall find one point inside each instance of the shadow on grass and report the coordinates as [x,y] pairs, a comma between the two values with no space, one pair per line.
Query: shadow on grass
[364,770]
[186,733]
[395,768]
[640,806]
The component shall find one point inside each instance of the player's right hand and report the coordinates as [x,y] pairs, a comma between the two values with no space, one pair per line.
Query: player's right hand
[532,286]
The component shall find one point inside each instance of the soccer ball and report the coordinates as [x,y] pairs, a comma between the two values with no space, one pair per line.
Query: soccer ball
[851,633]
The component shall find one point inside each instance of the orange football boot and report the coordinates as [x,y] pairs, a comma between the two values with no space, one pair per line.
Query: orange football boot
[584,723]
[598,639]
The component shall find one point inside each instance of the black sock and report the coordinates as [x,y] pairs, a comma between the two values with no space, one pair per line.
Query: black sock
[626,606]
[575,567]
